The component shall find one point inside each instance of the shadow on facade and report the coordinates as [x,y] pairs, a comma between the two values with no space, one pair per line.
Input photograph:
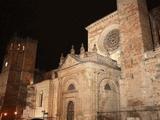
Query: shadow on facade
[152,114]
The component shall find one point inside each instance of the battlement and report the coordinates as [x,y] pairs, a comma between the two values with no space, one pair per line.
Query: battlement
[20,54]
[20,44]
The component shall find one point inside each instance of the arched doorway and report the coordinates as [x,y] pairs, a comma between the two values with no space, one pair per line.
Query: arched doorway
[70,111]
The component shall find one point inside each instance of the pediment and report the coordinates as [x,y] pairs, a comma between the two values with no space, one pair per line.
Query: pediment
[69,61]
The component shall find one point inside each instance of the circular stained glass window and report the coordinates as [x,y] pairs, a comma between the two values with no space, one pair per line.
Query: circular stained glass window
[112,39]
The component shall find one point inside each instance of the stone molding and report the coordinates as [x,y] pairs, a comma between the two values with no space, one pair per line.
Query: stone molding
[110,16]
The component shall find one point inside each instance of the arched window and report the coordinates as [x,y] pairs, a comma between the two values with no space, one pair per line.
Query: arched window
[107,87]
[70,111]
[71,87]
[19,45]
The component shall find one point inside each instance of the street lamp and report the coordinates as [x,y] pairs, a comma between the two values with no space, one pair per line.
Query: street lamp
[45,114]
[1,115]
[5,114]
[15,113]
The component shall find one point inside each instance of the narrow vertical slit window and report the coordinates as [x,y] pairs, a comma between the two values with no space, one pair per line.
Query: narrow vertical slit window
[41,99]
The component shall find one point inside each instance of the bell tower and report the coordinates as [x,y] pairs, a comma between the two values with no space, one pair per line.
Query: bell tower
[17,73]
[135,39]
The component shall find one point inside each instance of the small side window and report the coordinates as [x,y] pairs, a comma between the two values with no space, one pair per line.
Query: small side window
[71,87]
[107,87]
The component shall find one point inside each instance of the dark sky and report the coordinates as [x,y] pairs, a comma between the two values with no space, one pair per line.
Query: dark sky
[56,24]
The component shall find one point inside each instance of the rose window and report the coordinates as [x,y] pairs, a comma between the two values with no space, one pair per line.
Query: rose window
[111,41]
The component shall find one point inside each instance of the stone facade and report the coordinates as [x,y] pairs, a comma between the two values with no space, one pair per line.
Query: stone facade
[117,78]
[87,81]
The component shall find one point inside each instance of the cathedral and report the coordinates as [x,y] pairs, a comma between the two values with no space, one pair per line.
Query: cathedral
[117,78]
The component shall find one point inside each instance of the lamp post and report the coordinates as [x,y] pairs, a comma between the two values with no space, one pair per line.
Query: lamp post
[15,113]
[1,115]
[45,113]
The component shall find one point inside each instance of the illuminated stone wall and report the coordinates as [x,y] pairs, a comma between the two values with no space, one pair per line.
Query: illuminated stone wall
[118,75]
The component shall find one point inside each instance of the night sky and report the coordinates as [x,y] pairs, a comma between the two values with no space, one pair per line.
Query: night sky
[56,24]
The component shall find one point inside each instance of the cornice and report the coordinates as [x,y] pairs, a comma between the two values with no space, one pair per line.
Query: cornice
[110,16]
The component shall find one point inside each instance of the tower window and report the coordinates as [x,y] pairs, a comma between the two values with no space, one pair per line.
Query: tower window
[107,87]
[11,46]
[6,64]
[18,46]
[71,87]
[23,47]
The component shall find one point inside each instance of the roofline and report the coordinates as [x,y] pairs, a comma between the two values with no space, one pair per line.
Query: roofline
[85,62]
[102,19]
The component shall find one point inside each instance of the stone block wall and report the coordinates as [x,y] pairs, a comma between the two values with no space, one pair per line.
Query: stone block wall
[98,30]
[135,36]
